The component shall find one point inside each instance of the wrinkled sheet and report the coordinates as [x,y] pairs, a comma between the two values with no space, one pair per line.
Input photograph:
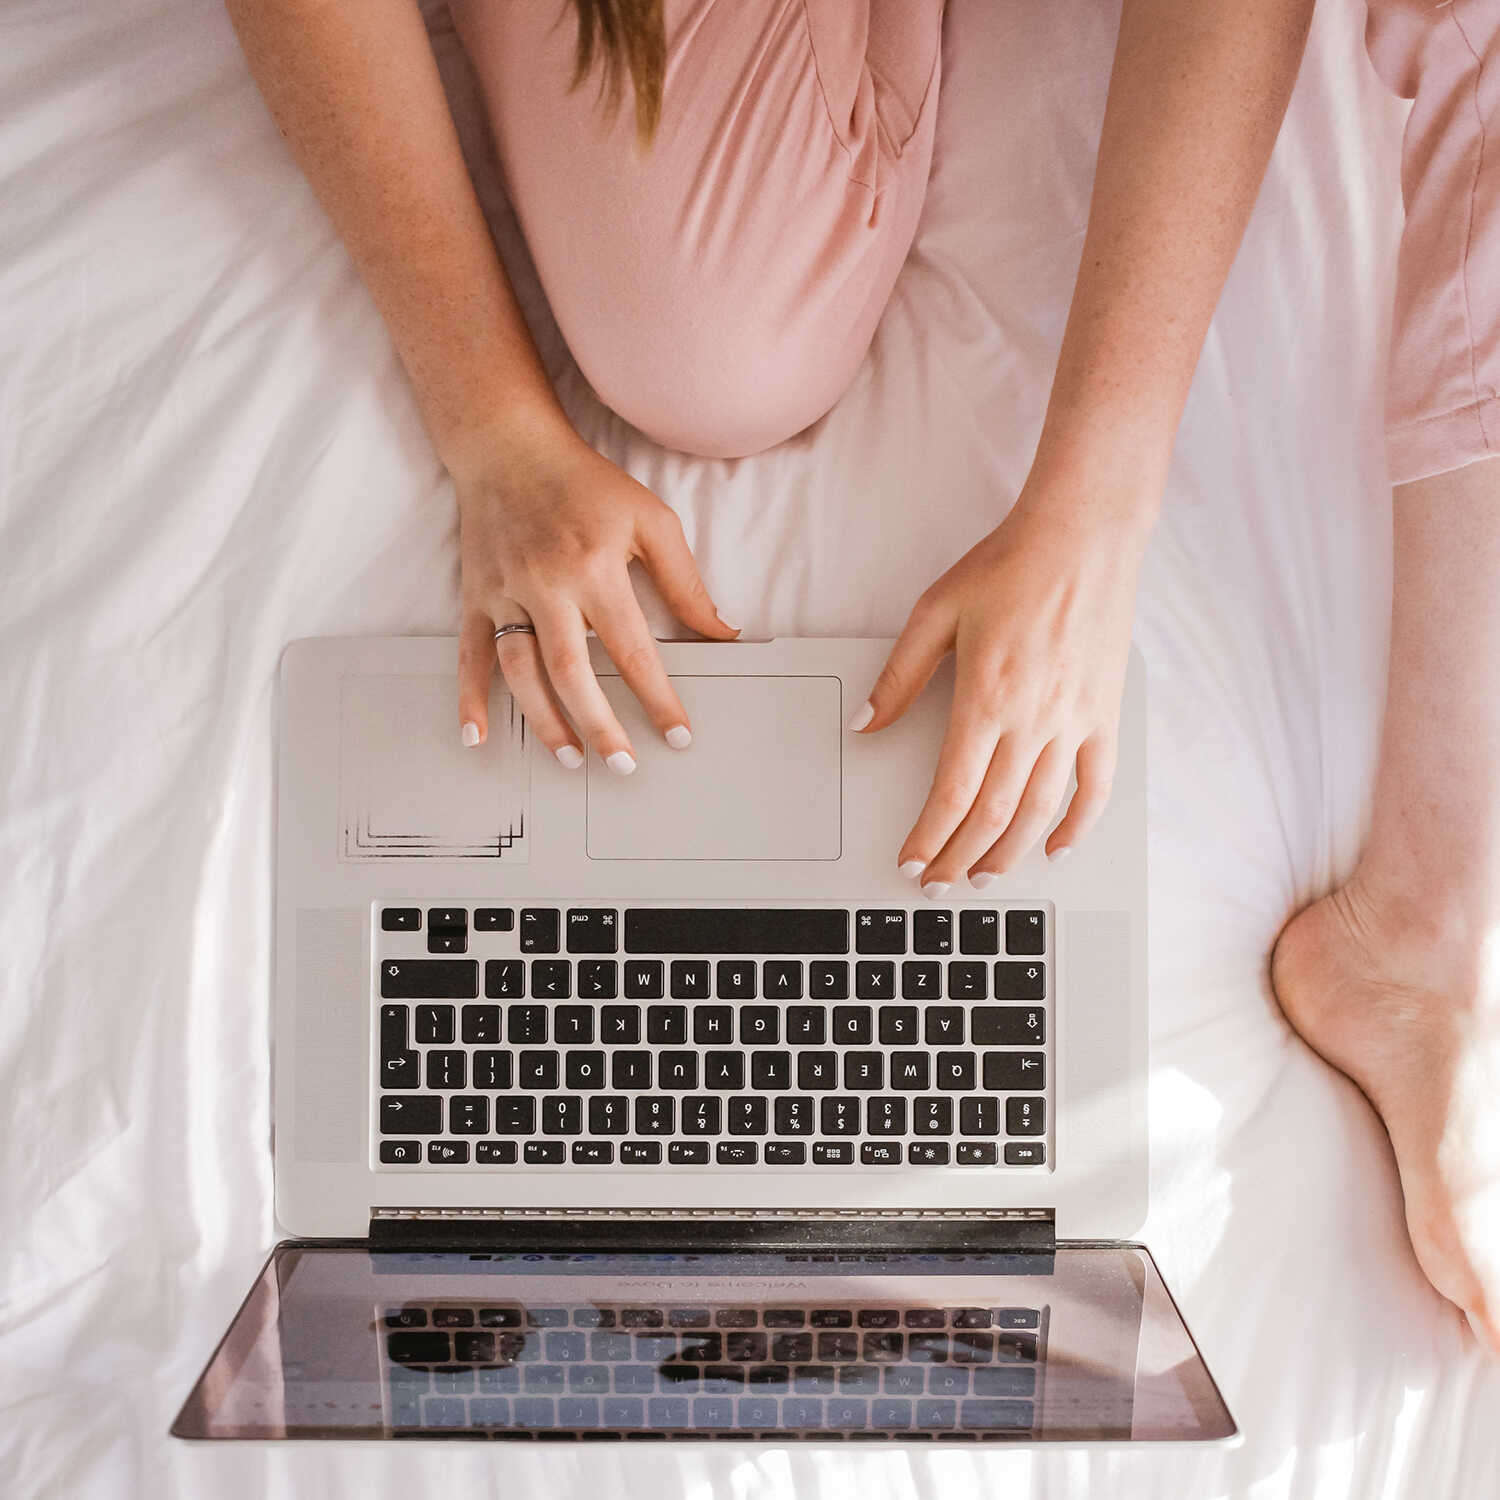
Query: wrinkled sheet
[207,449]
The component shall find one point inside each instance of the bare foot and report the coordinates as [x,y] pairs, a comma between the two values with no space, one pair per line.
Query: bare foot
[1407,1010]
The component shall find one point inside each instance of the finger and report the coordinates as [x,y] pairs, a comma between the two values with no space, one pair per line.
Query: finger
[1044,790]
[618,622]
[476,665]
[925,640]
[565,654]
[521,666]
[669,560]
[994,808]
[1096,774]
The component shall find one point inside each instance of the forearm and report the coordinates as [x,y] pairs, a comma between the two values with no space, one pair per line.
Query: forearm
[355,90]
[1196,99]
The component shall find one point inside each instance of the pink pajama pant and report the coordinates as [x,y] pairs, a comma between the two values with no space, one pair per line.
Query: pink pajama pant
[720,289]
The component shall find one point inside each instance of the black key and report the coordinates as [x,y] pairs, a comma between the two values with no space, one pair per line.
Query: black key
[643,979]
[1025,1154]
[545,1153]
[723,1070]
[833,1153]
[978,1116]
[864,1070]
[926,1317]
[504,978]
[942,1025]
[495,1153]
[904,1380]
[609,1114]
[875,980]
[927,1348]
[853,1025]
[879,1317]
[967,980]
[731,929]
[791,1348]
[630,1070]
[928,1153]
[429,979]
[807,1025]
[640,1153]
[551,979]
[515,1116]
[526,1023]
[971,1317]
[469,1114]
[434,1025]
[828,979]
[785,1154]
[400,1153]
[1025,932]
[562,1114]
[839,1115]
[481,1024]
[655,1114]
[677,1070]
[1016,1317]
[620,1025]
[573,1025]
[736,1153]
[859,1380]
[393,1020]
[690,979]
[1020,981]
[1025,1117]
[978,931]
[909,1071]
[584,1070]
[880,932]
[898,1025]
[666,1025]
[735,980]
[701,1115]
[976,1154]
[885,1116]
[760,1025]
[1008,1072]
[446,1070]
[592,930]
[687,1153]
[537,1070]
[955,1070]
[418,1348]
[447,929]
[598,979]
[770,1070]
[539,929]
[401,1070]
[1015,1346]
[712,1023]
[794,1115]
[593,1154]
[747,1115]
[817,1070]
[932,932]
[447,1153]
[494,919]
[932,1116]
[400,919]
[492,1070]
[921,981]
[1007,1026]
[781,979]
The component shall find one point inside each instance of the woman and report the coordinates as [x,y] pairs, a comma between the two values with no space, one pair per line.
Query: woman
[717,238]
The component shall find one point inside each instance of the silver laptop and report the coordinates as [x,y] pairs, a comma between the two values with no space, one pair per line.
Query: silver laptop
[662,1106]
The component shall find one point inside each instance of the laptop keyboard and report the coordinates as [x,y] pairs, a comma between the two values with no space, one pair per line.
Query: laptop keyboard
[676,1036]
[811,1371]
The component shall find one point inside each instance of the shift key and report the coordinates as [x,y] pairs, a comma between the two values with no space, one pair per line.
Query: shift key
[429,979]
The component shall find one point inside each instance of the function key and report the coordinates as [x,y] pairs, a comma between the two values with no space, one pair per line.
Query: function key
[494,1154]
[932,932]
[1024,1154]
[687,1153]
[880,1153]
[833,1153]
[592,930]
[978,931]
[1020,981]
[880,932]
[1025,932]
[494,919]
[976,1154]
[737,1153]
[928,1153]
[400,919]
[401,1154]
[448,1153]
[785,1153]
[539,929]
[545,1153]
[593,1153]
[640,1153]
[447,929]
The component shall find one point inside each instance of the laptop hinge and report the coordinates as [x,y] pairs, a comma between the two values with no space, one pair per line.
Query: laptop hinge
[704,1230]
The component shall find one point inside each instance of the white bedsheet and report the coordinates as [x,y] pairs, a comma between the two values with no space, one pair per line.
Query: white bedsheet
[207,448]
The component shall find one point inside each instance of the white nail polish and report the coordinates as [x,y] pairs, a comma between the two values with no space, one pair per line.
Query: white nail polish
[935,890]
[912,868]
[570,755]
[622,762]
[1058,853]
[862,716]
[727,626]
[470,735]
[982,880]
[679,736]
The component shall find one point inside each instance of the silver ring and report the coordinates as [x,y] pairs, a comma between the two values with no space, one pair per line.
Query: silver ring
[519,625]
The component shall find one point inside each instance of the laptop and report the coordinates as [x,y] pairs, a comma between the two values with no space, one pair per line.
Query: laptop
[662,1107]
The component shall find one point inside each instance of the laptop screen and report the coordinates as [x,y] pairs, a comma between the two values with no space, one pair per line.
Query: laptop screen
[1081,1344]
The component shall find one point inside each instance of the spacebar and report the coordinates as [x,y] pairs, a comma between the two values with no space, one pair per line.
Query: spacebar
[780,929]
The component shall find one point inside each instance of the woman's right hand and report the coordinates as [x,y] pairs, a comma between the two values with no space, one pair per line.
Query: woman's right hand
[547,531]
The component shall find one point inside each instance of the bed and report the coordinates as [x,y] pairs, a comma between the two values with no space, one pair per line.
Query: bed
[207,449]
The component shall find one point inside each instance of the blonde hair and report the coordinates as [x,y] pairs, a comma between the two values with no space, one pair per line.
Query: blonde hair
[624,36]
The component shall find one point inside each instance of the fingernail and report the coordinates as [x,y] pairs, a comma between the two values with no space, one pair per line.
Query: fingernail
[1058,853]
[622,762]
[982,880]
[570,755]
[912,868]
[679,736]
[470,735]
[935,890]
[862,716]
[727,626]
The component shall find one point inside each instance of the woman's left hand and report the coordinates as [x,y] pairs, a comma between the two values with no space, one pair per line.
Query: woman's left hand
[1038,615]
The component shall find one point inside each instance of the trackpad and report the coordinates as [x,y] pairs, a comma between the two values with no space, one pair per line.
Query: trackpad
[760,781]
